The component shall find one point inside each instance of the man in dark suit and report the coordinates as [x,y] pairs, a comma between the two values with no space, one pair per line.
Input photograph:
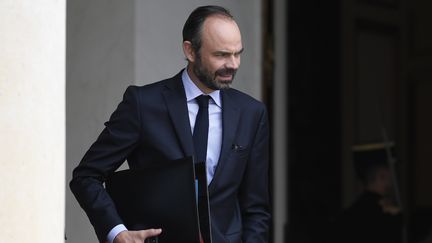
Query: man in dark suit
[156,122]
[374,217]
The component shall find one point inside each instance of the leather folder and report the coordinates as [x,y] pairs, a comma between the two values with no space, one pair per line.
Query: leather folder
[162,195]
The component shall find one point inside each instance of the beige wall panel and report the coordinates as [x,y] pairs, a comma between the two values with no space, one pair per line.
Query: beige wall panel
[32,120]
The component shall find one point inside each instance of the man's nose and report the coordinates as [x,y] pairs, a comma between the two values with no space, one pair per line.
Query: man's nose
[233,62]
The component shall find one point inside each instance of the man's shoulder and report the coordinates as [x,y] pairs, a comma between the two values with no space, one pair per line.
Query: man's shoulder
[156,87]
[173,81]
[242,99]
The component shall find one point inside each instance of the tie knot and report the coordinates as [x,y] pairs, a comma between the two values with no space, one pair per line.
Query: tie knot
[203,101]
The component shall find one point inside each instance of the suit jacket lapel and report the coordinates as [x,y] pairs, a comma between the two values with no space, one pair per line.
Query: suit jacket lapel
[230,119]
[175,99]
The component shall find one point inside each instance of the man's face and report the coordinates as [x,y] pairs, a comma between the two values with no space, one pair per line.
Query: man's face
[384,179]
[217,61]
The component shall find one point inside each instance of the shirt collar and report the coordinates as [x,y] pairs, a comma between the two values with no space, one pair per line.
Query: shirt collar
[192,91]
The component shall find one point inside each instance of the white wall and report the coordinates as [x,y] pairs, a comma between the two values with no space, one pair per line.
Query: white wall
[100,65]
[32,120]
[112,44]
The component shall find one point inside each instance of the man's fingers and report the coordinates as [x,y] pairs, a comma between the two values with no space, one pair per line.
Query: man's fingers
[151,232]
[136,236]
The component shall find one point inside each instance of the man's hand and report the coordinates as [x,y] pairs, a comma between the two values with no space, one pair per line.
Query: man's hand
[136,236]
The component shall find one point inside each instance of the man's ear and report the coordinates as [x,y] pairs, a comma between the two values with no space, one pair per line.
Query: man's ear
[188,51]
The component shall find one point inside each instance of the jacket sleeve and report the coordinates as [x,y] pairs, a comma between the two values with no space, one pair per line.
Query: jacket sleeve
[118,139]
[254,190]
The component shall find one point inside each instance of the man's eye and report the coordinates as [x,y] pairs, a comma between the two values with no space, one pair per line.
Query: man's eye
[222,54]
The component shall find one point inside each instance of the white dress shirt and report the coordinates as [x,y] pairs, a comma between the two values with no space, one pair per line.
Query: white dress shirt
[214,142]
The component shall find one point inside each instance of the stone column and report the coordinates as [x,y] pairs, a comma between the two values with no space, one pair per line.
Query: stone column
[32,120]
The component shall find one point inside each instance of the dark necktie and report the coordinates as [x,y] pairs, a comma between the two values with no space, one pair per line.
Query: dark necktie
[200,137]
[200,133]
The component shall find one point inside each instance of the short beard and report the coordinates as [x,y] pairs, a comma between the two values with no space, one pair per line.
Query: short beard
[209,80]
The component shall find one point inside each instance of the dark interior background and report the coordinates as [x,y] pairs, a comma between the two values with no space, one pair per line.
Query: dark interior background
[359,71]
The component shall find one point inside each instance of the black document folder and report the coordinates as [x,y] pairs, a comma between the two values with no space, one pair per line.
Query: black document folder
[160,196]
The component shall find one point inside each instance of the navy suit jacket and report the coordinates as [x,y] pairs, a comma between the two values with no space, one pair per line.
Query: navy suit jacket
[151,124]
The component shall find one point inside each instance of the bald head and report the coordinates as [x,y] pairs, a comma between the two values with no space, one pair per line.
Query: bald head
[194,24]
[221,33]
